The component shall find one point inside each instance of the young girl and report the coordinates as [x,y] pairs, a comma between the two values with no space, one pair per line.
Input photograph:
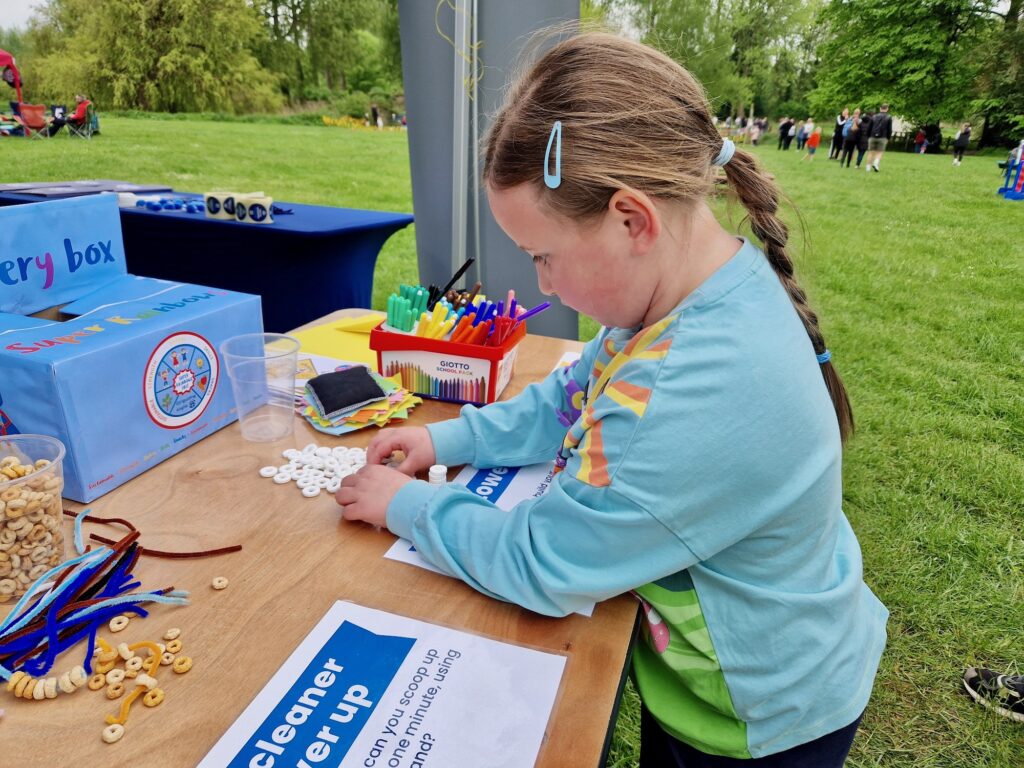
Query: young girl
[812,144]
[699,446]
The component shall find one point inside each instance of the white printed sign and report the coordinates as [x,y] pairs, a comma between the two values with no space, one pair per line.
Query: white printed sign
[370,689]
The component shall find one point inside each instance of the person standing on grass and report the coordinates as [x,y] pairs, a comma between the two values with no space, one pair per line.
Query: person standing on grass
[784,128]
[837,134]
[863,136]
[755,132]
[801,135]
[961,142]
[851,131]
[812,144]
[881,132]
[697,442]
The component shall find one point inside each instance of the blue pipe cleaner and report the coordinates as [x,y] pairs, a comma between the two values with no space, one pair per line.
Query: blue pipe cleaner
[84,621]
[13,622]
[29,594]
[79,541]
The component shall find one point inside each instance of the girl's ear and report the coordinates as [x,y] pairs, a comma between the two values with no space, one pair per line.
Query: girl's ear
[637,218]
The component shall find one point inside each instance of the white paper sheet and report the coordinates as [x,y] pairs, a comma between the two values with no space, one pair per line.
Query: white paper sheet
[369,688]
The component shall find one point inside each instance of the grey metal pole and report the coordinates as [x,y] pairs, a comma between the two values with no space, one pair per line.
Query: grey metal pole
[453,219]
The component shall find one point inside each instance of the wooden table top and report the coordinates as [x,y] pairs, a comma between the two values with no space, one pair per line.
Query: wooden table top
[298,558]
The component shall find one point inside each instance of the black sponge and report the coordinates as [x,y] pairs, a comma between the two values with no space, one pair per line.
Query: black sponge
[341,391]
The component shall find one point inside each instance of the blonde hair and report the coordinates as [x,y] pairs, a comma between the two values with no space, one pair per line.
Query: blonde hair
[633,117]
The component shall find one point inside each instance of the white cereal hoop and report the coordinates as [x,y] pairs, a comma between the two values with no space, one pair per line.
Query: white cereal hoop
[118,623]
[268,471]
[311,491]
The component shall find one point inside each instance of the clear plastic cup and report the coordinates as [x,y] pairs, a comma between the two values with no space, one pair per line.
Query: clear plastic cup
[261,368]
[31,511]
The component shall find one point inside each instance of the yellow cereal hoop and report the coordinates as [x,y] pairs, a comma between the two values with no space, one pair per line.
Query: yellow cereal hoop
[105,666]
[21,685]
[106,656]
[154,697]
[144,680]
[14,680]
[122,717]
[172,633]
[97,681]
[118,623]
[219,582]
[78,676]
[115,690]
[26,687]
[182,664]
[173,646]
[66,686]
[131,674]
[113,732]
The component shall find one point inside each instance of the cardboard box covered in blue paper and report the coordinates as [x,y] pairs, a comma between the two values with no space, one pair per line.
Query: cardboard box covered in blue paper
[134,375]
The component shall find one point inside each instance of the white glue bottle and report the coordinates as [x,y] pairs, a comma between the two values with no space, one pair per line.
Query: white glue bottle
[438,475]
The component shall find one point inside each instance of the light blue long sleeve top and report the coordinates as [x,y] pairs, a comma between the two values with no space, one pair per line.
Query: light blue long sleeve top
[702,471]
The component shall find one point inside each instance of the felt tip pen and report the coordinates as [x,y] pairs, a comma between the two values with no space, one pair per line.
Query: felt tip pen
[535,311]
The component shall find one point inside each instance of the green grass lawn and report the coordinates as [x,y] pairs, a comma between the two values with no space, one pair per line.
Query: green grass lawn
[918,276]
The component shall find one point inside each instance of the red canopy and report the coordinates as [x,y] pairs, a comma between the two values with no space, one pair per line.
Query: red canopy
[7,62]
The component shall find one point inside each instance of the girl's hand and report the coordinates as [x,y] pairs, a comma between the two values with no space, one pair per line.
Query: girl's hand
[414,442]
[366,494]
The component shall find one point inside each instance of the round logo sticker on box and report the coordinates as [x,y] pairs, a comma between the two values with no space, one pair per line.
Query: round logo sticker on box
[179,380]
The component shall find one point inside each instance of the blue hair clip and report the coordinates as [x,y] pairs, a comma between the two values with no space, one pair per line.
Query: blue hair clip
[553,180]
[824,357]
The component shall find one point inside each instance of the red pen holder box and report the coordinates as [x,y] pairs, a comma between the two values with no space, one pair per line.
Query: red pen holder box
[445,370]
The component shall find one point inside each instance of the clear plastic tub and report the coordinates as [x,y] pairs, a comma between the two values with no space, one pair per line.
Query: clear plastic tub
[31,510]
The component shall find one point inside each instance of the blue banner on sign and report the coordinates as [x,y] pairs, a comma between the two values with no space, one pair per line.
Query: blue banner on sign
[491,483]
[53,252]
[324,711]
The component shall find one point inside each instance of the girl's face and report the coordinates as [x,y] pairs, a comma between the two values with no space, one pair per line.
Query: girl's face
[588,267]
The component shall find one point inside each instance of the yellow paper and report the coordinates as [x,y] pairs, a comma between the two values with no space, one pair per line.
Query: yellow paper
[339,341]
[361,324]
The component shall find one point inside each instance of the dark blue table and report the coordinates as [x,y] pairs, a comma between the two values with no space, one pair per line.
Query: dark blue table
[304,266]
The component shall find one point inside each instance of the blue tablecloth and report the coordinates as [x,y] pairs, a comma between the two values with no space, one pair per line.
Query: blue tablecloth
[304,265]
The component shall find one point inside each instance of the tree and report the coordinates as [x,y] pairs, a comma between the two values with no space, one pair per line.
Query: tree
[315,43]
[166,55]
[919,57]
[1000,84]
[747,53]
